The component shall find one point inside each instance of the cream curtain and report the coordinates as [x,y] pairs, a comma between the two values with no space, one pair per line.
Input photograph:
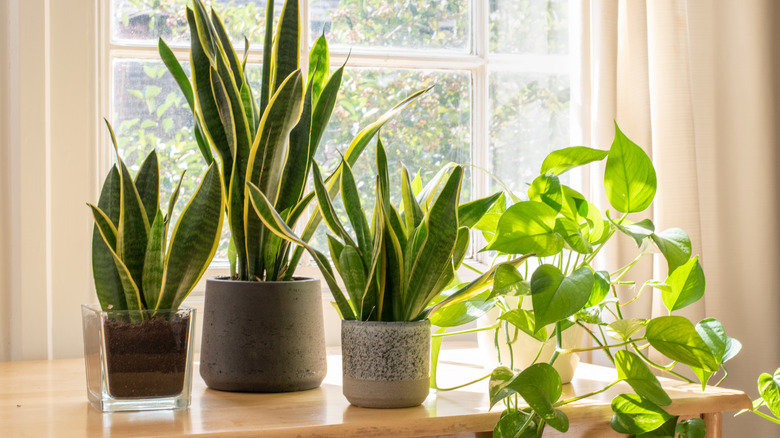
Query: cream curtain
[694,83]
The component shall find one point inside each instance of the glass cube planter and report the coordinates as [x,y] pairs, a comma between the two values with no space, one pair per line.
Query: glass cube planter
[138,359]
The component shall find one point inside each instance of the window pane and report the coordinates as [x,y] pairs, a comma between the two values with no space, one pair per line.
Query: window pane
[150,112]
[529,26]
[144,21]
[529,117]
[415,24]
[430,133]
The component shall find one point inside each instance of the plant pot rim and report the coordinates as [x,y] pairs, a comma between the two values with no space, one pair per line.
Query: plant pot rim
[296,279]
[386,323]
[96,308]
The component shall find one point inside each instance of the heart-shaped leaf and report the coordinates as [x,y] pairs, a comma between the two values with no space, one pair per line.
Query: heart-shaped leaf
[675,245]
[524,320]
[676,338]
[508,281]
[527,228]
[693,428]
[629,176]
[562,160]
[600,288]
[511,422]
[498,387]
[635,415]
[572,235]
[623,329]
[632,369]
[540,386]
[546,189]
[638,231]
[556,297]
[686,285]
[769,388]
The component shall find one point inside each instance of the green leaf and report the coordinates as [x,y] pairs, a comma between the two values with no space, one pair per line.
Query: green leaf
[638,231]
[570,231]
[511,422]
[540,386]
[635,415]
[623,329]
[714,335]
[693,428]
[461,247]
[108,285]
[147,182]
[676,338]
[489,222]
[632,369]
[686,285]
[194,241]
[601,284]
[675,245]
[546,189]
[508,281]
[562,160]
[319,66]
[470,213]
[524,320]
[769,388]
[154,261]
[286,44]
[462,312]
[629,176]
[498,387]
[353,273]
[351,199]
[413,214]
[665,431]
[556,297]
[328,210]
[527,228]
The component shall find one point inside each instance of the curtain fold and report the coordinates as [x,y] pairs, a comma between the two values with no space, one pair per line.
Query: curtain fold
[695,84]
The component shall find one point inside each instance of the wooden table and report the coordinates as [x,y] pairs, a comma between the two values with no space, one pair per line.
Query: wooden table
[48,399]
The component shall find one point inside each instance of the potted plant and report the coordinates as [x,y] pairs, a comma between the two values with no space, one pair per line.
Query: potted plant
[566,232]
[397,268]
[263,326]
[138,342]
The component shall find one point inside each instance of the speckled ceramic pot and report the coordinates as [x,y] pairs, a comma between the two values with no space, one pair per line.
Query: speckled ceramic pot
[263,336]
[386,364]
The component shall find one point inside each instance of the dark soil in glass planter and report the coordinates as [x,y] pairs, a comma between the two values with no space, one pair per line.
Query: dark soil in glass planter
[148,358]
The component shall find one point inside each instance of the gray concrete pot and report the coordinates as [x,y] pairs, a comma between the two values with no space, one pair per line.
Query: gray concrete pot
[386,364]
[263,336]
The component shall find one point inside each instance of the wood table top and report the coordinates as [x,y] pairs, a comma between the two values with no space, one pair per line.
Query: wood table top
[49,398]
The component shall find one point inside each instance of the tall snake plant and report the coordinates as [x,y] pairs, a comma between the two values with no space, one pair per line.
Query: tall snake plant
[134,265]
[271,143]
[403,266]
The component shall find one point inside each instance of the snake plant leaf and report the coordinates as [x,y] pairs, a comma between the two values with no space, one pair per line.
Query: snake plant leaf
[328,210]
[686,285]
[633,370]
[248,103]
[524,320]
[676,338]
[635,415]
[527,227]
[206,32]
[147,182]
[434,254]
[470,213]
[412,214]
[208,114]
[266,160]
[562,160]
[540,386]
[547,189]
[319,66]
[461,247]
[226,49]
[335,247]
[353,273]
[276,225]
[769,388]
[356,147]
[351,199]
[172,201]
[224,109]
[629,176]
[555,296]
[373,299]
[109,234]
[426,195]
[154,261]
[286,45]
[107,283]
[675,245]
[194,241]
[445,280]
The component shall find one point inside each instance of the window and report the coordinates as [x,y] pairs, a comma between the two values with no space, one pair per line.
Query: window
[500,69]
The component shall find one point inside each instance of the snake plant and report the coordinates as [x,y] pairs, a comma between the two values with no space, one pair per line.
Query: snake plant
[134,265]
[271,143]
[402,266]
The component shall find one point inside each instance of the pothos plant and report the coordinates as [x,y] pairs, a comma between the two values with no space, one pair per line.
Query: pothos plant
[270,141]
[769,397]
[136,266]
[401,267]
[565,232]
